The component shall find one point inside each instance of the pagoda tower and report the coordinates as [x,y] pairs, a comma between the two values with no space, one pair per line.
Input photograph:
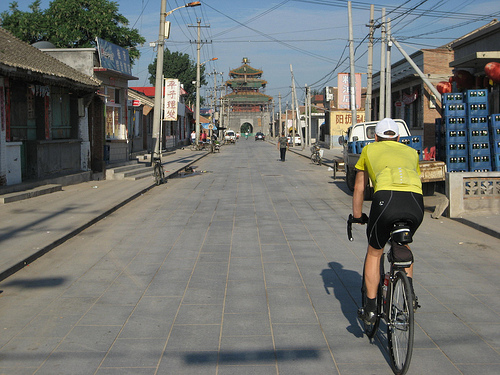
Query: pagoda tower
[246,107]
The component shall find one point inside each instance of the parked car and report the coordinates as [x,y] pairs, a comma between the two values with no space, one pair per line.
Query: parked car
[298,140]
[260,136]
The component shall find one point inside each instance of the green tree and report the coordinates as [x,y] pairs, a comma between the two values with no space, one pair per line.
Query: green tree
[73,24]
[179,65]
[27,26]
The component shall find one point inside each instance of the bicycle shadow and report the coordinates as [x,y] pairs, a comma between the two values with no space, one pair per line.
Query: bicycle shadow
[341,282]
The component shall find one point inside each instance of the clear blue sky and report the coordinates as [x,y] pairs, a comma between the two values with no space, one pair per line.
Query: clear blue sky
[310,35]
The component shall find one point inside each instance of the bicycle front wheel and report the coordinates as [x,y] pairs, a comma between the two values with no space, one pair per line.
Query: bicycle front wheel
[400,327]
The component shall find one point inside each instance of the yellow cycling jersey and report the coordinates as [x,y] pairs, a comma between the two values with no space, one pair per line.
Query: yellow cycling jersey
[391,166]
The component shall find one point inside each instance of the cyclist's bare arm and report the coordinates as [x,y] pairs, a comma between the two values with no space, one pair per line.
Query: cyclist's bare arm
[359,193]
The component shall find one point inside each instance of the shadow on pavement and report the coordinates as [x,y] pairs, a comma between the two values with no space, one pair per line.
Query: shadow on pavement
[334,278]
[228,357]
[36,283]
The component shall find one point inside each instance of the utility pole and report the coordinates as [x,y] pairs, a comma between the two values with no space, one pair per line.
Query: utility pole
[369,75]
[306,116]
[381,108]
[198,78]
[198,83]
[158,84]
[296,104]
[388,79]
[280,127]
[417,69]
[352,79]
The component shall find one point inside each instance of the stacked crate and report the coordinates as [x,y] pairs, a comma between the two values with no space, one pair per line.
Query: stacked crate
[495,141]
[452,133]
[478,132]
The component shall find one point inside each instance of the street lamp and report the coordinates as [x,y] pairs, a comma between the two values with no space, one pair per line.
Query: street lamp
[158,81]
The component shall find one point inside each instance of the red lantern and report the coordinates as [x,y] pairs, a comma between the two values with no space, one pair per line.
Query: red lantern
[464,79]
[443,87]
[492,70]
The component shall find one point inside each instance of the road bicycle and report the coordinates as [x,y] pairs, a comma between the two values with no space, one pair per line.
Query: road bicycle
[316,154]
[395,298]
[158,172]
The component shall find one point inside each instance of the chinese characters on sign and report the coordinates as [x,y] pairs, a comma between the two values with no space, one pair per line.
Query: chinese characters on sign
[172,88]
[341,120]
[113,57]
[343,97]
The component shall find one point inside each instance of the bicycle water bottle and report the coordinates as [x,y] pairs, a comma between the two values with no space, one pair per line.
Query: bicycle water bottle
[385,287]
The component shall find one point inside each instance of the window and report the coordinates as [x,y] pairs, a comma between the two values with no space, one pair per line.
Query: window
[113,114]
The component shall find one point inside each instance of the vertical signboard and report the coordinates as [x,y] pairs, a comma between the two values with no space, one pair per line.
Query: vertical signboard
[343,97]
[171,98]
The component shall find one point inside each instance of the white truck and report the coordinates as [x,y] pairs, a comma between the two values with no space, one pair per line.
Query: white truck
[360,134]
[230,136]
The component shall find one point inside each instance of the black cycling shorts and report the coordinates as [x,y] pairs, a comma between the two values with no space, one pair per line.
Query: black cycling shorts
[390,206]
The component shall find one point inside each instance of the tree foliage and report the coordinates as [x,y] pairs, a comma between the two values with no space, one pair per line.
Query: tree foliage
[73,24]
[179,65]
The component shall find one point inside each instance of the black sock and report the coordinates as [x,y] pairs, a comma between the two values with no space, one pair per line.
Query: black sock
[371,304]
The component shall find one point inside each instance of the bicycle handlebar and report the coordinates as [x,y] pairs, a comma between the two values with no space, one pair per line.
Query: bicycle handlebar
[360,220]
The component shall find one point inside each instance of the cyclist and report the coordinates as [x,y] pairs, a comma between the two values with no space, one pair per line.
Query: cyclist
[394,171]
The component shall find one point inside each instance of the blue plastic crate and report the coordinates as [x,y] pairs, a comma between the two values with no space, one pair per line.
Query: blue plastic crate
[456,149]
[495,146]
[453,97]
[479,135]
[455,136]
[479,149]
[477,122]
[457,163]
[495,133]
[495,120]
[476,96]
[477,109]
[362,144]
[455,109]
[480,163]
[455,123]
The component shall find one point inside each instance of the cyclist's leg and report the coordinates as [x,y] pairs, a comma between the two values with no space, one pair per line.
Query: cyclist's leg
[372,271]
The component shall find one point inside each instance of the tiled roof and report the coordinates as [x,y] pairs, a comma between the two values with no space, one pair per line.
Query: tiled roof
[15,53]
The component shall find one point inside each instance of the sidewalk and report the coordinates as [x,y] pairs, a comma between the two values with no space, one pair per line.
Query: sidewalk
[32,227]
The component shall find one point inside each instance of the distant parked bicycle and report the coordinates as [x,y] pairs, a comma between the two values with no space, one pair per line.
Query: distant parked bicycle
[395,297]
[158,172]
[316,154]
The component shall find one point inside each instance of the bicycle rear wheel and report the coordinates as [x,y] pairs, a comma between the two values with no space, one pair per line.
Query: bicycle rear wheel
[400,327]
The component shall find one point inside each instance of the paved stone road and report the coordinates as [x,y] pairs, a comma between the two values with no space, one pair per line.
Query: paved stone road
[243,269]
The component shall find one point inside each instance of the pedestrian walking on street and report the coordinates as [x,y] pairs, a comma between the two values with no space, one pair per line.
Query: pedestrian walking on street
[282,146]
[193,137]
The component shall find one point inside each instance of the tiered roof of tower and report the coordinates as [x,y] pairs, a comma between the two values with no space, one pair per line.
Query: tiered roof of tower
[246,84]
